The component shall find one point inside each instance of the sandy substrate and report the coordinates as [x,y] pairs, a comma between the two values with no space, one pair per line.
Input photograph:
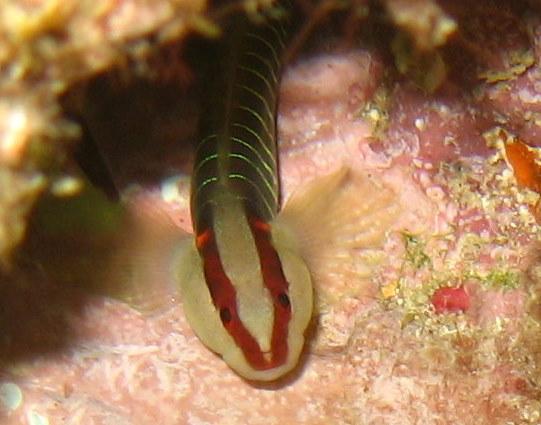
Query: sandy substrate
[377,352]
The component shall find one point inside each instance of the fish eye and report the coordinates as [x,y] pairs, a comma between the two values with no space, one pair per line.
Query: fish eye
[225,315]
[283,299]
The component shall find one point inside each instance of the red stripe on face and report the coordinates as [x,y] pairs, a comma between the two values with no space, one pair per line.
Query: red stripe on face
[275,281]
[224,298]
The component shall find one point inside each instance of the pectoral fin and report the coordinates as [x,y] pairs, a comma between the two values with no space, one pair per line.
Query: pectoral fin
[141,268]
[339,222]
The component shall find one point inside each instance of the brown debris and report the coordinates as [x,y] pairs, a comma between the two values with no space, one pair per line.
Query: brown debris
[426,23]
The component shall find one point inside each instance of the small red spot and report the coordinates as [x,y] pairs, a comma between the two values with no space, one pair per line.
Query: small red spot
[202,239]
[261,225]
[450,300]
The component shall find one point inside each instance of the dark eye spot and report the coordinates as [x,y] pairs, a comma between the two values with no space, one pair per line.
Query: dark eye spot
[283,299]
[225,315]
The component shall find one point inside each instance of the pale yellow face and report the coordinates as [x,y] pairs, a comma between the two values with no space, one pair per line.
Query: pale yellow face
[253,300]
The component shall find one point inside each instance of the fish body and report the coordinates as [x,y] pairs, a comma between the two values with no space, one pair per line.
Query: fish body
[249,296]
[246,279]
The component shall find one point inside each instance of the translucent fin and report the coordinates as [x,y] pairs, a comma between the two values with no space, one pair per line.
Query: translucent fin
[339,221]
[140,270]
